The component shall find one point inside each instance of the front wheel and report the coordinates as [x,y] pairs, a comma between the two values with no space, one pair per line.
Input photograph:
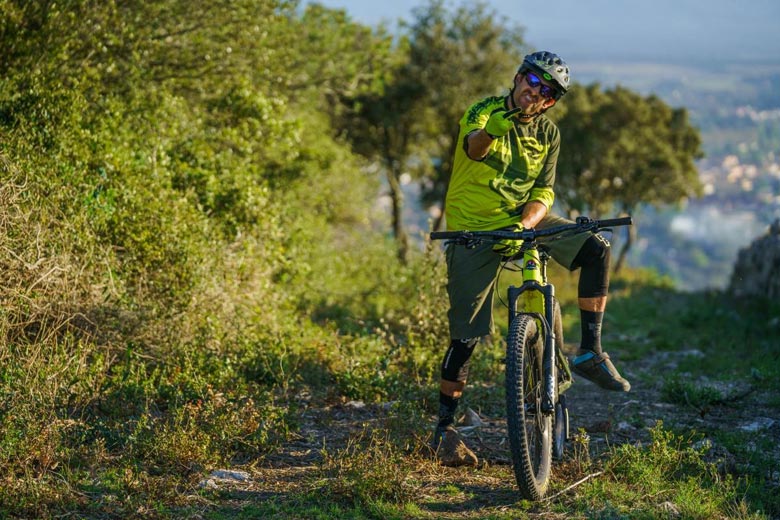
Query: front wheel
[529,430]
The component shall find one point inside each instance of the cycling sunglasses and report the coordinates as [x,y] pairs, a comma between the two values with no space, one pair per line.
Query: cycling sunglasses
[545,91]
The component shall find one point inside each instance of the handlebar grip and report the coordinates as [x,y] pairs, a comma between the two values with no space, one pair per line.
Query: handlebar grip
[622,221]
[443,235]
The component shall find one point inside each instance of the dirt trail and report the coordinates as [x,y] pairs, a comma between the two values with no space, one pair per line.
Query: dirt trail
[609,418]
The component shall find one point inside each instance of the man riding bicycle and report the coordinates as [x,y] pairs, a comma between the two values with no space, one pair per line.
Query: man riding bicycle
[502,178]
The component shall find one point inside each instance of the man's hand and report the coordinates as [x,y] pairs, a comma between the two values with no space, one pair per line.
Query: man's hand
[508,247]
[500,123]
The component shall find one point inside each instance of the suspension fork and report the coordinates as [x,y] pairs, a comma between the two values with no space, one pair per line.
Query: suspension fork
[526,299]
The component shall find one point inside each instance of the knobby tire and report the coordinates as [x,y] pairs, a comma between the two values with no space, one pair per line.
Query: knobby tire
[528,429]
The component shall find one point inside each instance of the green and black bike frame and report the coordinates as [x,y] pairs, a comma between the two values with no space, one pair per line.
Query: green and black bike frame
[536,298]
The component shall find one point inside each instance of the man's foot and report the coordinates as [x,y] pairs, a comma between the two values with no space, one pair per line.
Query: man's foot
[451,450]
[598,369]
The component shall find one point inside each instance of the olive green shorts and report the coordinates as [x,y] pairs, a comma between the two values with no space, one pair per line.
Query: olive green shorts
[471,278]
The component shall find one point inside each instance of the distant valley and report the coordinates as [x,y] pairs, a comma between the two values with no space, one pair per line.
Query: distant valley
[737,109]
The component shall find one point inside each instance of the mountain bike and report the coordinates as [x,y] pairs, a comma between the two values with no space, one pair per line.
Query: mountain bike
[537,371]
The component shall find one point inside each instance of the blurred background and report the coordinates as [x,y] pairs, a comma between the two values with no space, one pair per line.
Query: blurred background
[720,60]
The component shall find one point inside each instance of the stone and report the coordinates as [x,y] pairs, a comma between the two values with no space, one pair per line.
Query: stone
[227,474]
[472,418]
[757,269]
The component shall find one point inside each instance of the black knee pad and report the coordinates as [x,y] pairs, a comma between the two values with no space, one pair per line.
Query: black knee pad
[593,258]
[455,366]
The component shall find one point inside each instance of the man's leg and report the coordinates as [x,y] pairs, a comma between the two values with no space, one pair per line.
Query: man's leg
[471,278]
[454,373]
[591,362]
[591,317]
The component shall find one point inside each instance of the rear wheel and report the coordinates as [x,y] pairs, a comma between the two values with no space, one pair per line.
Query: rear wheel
[529,430]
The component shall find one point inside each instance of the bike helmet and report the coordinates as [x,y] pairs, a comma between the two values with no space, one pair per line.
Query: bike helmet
[550,66]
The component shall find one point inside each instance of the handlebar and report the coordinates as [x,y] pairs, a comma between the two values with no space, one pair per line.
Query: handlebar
[582,224]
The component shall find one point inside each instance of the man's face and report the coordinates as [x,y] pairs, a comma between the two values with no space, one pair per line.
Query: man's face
[533,93]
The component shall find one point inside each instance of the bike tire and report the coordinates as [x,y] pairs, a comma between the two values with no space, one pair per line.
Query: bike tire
[529,430]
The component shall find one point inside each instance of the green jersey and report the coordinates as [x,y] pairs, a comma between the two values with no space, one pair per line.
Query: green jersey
[519,167]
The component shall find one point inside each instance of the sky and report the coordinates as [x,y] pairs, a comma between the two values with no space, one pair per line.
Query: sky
[696,31]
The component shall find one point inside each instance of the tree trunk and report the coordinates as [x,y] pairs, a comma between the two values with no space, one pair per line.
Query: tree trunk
[630,239]
[399,231]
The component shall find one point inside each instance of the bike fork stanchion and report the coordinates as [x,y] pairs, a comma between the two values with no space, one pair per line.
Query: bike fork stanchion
[513,294]
[548,400]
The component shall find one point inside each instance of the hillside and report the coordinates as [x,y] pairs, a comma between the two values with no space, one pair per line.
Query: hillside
[206,315]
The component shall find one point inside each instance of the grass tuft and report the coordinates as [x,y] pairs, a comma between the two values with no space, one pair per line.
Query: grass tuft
[369,470]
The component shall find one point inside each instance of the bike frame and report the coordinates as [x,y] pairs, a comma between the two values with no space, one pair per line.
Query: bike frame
[536,297]
[535,294]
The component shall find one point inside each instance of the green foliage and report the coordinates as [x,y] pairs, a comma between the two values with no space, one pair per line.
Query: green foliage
[408,121]
[679,390]
[738,339]
[668,471]
[209,432]
[161,200]
[623,150]
[754,451]
[389,342]
[477,51]
[124,46]
[357,60]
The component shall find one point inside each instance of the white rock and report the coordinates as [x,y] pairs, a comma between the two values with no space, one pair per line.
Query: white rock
[760,423]
[226,474]
[670,509]
[472,418]
[208,484]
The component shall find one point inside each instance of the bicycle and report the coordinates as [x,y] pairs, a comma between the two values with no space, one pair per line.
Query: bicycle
[537,371]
